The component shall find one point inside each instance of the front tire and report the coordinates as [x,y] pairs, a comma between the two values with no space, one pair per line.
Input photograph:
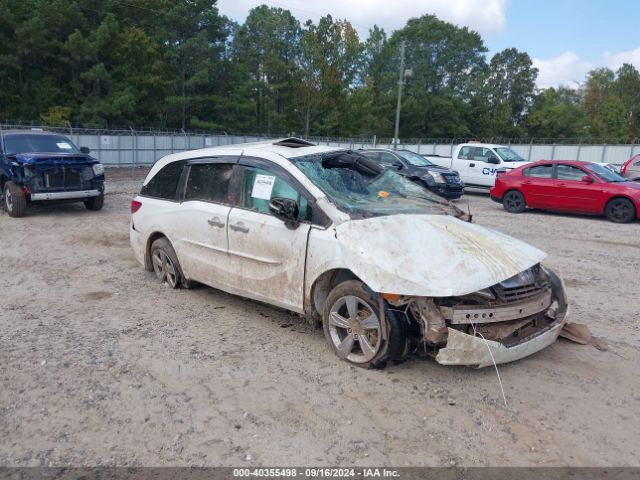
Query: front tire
[355,329]
[165,263]
[14,199]
[620,210]
[95,203]
[513,202]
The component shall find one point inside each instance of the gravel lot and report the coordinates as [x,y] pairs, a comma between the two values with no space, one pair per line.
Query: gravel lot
[100,364]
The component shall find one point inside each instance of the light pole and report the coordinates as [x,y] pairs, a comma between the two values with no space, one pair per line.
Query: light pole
[400,82]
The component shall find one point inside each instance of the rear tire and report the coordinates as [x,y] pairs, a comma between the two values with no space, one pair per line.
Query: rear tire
[513,202]
[357,332]
[95,203]
[620,210]
[14,199]
[165,264]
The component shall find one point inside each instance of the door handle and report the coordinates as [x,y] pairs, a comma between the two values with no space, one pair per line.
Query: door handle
[215,222]
[472,164]
[528,182]
[239,227]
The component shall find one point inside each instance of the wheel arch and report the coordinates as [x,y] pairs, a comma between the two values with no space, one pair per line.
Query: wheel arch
[514,189]
[615,197]
[3,180]
[147,249]
[322,286]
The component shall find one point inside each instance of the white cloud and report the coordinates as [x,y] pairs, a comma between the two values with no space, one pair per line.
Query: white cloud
[615,60]
[569,69]
[565,69]
[481,15]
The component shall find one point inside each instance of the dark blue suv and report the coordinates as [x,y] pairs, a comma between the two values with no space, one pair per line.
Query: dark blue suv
[440,180]
[44,166]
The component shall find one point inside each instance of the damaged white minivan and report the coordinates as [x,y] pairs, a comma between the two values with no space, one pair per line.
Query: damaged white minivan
[387,267]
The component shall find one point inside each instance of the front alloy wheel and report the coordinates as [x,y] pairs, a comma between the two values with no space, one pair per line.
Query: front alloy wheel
[15,200]
[620,210]
[354,329]
[357,331]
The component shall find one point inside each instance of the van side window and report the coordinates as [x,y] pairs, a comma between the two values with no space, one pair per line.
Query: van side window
[164,183]
[259,186]
[208,182]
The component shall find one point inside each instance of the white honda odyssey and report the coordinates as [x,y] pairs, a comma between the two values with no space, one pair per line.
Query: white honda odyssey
[387,267]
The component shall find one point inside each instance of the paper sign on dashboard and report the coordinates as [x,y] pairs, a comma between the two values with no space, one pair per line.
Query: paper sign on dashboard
[263,186]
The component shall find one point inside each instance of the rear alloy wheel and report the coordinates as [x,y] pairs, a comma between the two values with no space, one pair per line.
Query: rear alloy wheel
[165,263]
[513,202]
[355,329]
[14,199]
[620,210]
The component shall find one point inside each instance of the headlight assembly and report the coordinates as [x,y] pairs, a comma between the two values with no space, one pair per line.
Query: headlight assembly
[98,169]
[437,177]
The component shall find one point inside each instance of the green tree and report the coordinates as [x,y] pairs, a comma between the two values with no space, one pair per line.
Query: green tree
[11,78]
[331,57]
[557,113]
[268,46]
[510,88]
[446,62]
[372,103]
[195,35]
[605,110]
[627,88]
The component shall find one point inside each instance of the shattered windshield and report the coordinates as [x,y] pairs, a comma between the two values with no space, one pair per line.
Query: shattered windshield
[348,180]
[508,155]
[25,143]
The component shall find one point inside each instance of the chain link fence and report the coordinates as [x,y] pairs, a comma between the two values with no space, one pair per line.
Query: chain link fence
[127,147]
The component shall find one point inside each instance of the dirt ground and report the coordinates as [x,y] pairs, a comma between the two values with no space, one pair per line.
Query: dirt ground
[101,364]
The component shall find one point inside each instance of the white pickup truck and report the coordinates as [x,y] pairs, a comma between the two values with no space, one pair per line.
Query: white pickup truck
[477,163]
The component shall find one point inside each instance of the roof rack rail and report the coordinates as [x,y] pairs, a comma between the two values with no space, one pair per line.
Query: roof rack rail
[293,142]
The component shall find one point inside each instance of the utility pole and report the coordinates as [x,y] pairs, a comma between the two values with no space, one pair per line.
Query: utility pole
[400,82]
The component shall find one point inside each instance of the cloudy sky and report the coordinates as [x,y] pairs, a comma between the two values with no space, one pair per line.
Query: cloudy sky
[565,38]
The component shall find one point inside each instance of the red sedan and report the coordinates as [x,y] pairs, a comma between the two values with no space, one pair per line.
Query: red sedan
[568,186]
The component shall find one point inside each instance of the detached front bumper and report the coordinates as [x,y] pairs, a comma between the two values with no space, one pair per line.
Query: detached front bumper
[465,349]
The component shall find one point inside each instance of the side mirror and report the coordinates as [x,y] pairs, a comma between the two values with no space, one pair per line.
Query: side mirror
[494,160]
[286,210]
[587,179]
[397,165]
[85,150]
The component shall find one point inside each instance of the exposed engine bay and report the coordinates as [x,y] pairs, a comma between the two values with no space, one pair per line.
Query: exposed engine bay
[510,313]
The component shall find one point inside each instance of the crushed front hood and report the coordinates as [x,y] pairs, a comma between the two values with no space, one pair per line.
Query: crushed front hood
[431,255]
[54,159]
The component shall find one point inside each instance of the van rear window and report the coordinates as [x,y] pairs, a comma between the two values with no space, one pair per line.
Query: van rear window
[165,183]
